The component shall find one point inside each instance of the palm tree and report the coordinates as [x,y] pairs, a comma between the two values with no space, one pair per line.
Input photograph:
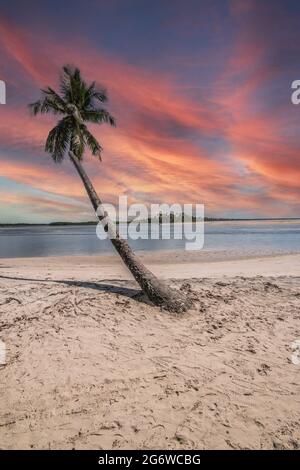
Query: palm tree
[76,104]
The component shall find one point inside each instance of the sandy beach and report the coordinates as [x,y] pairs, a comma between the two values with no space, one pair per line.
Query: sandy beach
[89,364]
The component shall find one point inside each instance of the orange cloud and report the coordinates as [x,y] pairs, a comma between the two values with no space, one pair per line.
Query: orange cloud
[158,149]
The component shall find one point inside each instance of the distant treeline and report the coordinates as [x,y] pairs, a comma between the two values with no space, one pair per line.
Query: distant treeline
[160,219]
[51,224]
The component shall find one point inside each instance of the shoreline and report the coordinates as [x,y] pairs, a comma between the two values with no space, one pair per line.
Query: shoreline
[167,265]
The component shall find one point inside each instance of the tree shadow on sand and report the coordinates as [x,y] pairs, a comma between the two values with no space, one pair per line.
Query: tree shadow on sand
[101,286]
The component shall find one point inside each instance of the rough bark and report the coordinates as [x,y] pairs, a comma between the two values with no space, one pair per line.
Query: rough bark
[158,291]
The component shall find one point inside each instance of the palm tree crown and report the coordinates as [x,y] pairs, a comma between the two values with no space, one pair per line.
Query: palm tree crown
[77,103]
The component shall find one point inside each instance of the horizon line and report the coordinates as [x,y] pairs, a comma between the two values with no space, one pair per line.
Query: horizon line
[91,222]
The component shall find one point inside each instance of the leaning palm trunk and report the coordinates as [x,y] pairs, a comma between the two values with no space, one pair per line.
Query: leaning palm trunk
[78,104]
[156,290]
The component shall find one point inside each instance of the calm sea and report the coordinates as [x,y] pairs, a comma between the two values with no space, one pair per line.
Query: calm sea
[261,237]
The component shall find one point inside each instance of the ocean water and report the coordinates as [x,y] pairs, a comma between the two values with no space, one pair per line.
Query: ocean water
[255,237]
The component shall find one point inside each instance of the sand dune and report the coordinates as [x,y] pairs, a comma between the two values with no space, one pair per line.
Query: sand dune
[90,365]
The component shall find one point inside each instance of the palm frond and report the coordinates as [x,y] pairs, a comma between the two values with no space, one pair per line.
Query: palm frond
[44,106]
[58,140]
[55,98]
[77,142]
[93,94]
[97,93]
[100,95]
[98,116]
[50,102]
[91,142]
[73,87]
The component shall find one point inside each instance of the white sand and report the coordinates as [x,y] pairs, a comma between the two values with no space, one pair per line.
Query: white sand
[91,366]
[167,265]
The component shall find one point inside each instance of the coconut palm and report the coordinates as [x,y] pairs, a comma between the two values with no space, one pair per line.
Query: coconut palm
[76,104]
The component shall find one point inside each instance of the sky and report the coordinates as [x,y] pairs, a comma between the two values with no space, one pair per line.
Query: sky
[201,92]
